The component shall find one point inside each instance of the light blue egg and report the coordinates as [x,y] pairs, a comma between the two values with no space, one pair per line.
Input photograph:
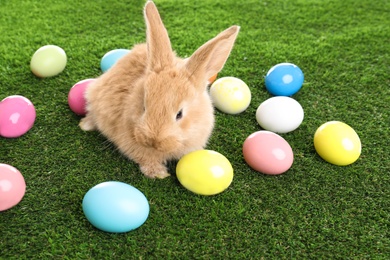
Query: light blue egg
[284,79]
[111,57]
[115,207]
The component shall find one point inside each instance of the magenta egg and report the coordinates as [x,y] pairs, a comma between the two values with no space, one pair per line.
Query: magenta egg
[268,153]
[12,186]
[76,99]
[17,116]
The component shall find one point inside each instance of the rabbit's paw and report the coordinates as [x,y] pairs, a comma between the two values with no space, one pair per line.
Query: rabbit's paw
[87,124]
[153,171]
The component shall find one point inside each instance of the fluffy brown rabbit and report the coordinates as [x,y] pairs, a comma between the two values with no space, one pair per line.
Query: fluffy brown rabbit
[153,105]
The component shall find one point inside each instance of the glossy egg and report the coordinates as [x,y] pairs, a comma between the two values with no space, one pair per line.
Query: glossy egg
[337,143]
[115,207]
[204,172]
[284,79]
[48,61]
[230,95]
[280,114]
[12,186]
[111,57]
[268,153]
[76,99]
[17,116]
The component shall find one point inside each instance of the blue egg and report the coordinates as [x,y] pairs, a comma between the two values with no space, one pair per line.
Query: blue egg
[284,79]
[115,207]
[111,57]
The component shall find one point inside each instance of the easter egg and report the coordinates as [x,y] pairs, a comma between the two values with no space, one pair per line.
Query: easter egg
[17,116]
[76,98]
[204,172]
[115,207]
[268,153]
[12,186]
[280,114]
[337,143]
[48,61]
[111,57]
[230,95]
[284,79]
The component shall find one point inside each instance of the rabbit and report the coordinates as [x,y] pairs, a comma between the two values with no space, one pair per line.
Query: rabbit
[154,106]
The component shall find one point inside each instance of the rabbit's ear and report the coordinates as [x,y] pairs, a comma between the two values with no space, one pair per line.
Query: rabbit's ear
[210,58]
[160,52]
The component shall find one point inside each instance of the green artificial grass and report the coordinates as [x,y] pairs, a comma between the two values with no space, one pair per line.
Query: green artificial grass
[316,210]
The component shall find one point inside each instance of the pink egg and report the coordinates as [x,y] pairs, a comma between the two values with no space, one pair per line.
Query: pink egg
[268,153]
[12,186]
[76,99]
[17,116]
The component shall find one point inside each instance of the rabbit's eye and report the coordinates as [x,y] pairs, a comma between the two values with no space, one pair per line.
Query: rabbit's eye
[179,115]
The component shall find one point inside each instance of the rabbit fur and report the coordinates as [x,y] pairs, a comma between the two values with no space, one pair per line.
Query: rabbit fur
[154,106]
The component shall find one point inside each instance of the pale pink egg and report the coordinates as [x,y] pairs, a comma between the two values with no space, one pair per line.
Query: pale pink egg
[17,116]
[268,153]
[12,186]
[76,99]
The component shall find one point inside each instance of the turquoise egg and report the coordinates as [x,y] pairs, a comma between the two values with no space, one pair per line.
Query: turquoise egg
[111,57]
[115,207]
[284,79]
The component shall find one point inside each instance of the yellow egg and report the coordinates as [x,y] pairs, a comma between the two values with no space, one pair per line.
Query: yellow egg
[230,95]
[337,143]
[204,172]
[48,61]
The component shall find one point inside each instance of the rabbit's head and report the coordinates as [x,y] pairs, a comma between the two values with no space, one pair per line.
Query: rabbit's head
[177,110]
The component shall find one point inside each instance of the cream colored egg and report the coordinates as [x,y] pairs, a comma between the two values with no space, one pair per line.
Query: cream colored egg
[230,95]
[48,61]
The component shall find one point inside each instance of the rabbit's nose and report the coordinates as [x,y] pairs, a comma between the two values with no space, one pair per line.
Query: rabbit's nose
[158,144]
[143,138]
[167,144]
[154,143]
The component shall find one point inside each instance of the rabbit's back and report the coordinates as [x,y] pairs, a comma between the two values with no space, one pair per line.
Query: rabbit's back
[108,97]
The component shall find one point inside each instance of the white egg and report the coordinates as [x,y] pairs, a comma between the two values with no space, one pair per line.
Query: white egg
[280,114]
